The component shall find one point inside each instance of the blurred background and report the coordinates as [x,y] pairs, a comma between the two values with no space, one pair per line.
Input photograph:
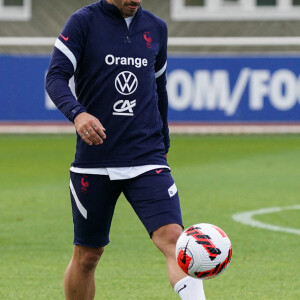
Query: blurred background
[231,62]
[233,67]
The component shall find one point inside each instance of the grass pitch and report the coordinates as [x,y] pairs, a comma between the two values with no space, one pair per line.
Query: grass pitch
[217,176]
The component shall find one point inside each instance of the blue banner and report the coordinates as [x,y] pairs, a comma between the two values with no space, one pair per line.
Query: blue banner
[22,92]
[201,89]
[234,88]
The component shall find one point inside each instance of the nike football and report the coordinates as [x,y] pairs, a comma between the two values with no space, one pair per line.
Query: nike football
[203,251]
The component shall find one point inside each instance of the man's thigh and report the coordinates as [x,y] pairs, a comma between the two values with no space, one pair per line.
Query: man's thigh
[154,197]
[93,200]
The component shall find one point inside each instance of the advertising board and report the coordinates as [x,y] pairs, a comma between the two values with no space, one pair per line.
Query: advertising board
[202,89]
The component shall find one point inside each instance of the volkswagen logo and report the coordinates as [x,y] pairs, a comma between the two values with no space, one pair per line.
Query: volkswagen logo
[126,83]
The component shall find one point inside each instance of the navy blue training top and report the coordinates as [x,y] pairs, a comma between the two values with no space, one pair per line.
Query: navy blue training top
[120,78]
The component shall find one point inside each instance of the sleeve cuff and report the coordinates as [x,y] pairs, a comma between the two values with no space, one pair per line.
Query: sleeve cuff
[75,112]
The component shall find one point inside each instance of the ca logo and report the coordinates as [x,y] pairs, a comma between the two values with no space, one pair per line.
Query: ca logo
[124,107]
[126,83]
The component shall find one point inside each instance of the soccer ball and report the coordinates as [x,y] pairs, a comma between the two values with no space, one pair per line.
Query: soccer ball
[203,251]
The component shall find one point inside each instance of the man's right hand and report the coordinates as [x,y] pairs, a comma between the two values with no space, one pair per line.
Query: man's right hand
[90,129]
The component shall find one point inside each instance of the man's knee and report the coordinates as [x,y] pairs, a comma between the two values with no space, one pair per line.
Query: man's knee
[87,258]
[166,236]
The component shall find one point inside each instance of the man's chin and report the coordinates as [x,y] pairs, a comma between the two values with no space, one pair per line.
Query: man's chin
[130,11]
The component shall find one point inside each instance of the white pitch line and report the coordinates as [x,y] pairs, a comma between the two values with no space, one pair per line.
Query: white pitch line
[246,218]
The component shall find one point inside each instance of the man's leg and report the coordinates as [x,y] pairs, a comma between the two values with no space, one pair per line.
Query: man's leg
[79,278]
[165,239]
[92,207]
[154,197]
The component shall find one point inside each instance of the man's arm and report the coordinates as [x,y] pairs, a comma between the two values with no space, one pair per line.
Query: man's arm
[161,83]
[67,52]
[163,108]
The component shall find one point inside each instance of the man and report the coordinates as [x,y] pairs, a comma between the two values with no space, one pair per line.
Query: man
[117,53]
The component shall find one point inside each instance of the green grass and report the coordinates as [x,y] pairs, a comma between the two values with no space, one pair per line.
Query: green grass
[217,176]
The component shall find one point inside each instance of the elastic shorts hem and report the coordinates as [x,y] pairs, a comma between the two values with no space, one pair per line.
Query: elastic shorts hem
[163,224]
[90,245]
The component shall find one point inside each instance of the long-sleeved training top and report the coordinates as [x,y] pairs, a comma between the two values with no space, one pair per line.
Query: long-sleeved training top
[120,78]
